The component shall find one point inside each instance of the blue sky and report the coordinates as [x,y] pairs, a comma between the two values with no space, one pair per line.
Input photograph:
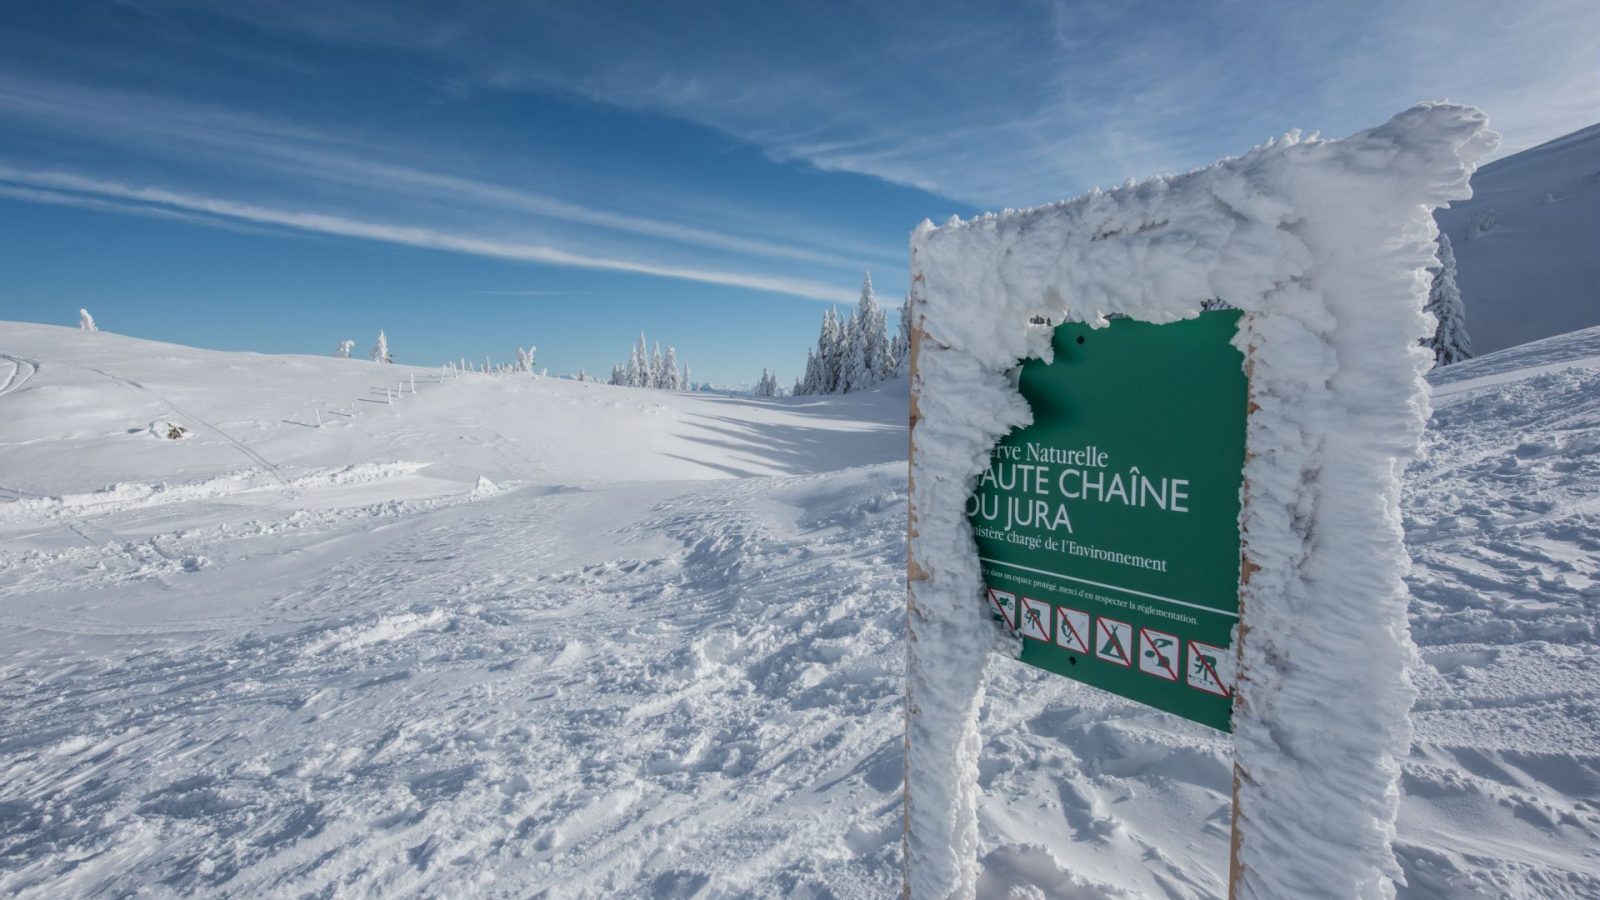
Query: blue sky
[471,177]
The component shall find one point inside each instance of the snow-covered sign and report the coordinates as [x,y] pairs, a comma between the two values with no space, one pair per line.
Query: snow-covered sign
[1121,500]
[1323,246]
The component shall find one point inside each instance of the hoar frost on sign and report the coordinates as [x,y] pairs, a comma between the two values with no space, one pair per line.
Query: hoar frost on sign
[1325,245]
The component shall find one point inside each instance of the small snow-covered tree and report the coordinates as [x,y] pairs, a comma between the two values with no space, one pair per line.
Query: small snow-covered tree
[854,371]
[1450,342]
[830,352]
[767,386]
[526,359]
[901,348]
[810,382]
[638,371]
[670,373]
[86,321]
[380,350]
[687,384]
[346,347]
[657,375]
[872,333]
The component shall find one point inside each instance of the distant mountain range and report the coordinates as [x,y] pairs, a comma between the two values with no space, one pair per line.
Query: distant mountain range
[1528,243]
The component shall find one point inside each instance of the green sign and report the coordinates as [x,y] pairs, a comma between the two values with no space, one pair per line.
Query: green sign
[1109,528]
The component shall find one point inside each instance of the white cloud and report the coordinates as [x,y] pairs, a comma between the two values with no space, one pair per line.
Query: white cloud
[158,200]
[305,157]
[1022,103]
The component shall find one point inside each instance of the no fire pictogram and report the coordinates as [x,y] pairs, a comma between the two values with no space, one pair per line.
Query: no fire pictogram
[1072,631]
[1158,654]
[1114,641]
[1006,605]
[1209,669]
[1036,619]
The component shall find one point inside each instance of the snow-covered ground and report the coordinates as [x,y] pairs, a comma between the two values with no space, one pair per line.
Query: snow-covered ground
[512,636]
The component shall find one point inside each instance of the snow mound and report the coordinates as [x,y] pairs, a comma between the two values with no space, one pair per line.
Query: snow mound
[163,428]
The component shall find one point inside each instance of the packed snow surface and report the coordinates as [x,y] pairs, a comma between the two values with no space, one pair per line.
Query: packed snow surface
[525,637]
[1527,244]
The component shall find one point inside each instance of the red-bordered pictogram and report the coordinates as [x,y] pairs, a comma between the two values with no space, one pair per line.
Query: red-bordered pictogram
[1072,629]
[1113,641]
[1035,620]
[1158,654]
[1004,603]
[1209,669]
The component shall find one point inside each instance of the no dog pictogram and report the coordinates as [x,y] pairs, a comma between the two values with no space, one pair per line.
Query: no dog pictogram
[1114,641]
[1036,619]
[1072,631]
[1158,654]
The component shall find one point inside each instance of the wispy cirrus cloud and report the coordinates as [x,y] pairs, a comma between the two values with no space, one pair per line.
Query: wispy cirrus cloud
[246,143]
[1032,103]
[69,188]
[533,293]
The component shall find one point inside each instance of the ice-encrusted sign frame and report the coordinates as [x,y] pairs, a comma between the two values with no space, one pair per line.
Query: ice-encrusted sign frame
[1324,244]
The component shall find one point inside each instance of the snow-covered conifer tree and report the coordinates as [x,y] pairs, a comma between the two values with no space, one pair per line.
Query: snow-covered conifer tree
[854,373]
[1450,343]
[524,364]
[687,384]
[901,350]
[638,371]
[86,321]
[872,332]
[830,352]
[346,347]
[670,373]
[380,350]
[810,381]
[767,386]
[657,373]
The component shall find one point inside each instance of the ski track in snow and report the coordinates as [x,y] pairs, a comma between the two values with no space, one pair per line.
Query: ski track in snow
[15,372]
[399,686]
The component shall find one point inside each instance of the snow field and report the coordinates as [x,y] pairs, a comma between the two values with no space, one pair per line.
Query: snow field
[379,680]
[567,720]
